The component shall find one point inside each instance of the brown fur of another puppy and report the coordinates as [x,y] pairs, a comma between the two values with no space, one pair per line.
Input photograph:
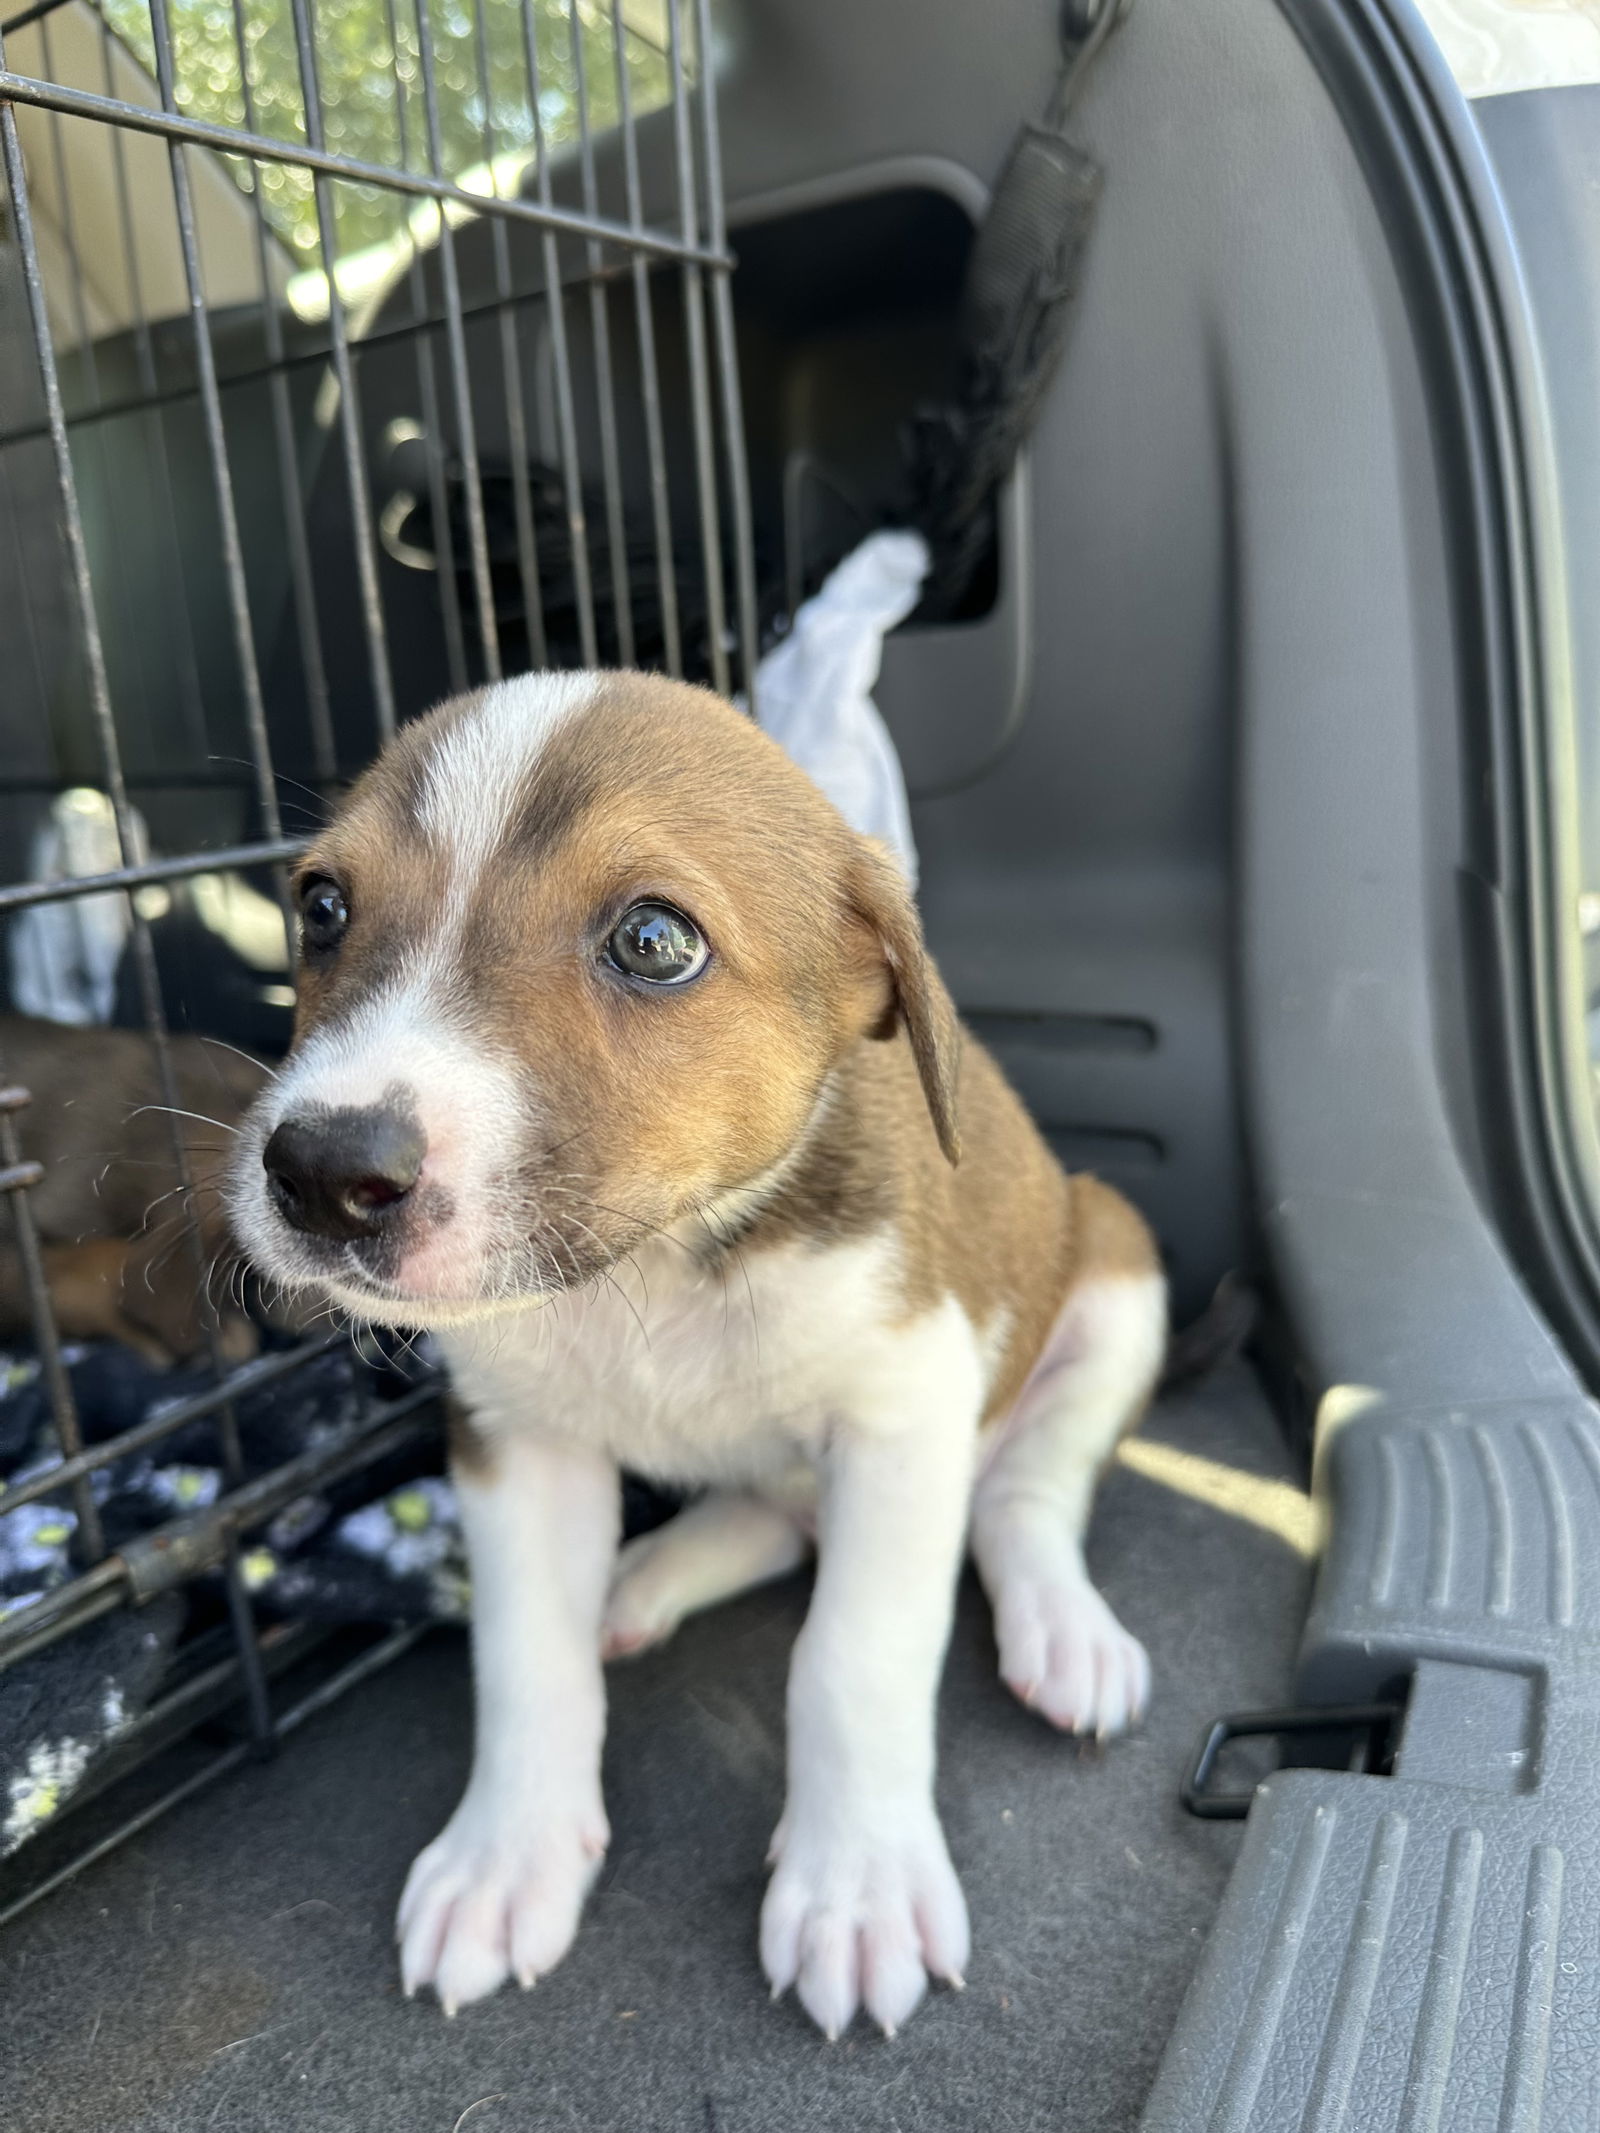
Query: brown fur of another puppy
[110,1208]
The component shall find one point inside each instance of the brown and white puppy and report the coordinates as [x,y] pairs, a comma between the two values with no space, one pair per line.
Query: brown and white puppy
[620,1062]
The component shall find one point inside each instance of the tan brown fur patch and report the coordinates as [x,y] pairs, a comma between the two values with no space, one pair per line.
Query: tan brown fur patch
[110,1288]
[1005,1232]
[109,1208]
[98,1125]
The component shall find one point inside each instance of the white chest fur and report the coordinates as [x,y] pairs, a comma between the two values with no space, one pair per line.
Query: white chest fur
[689,1374]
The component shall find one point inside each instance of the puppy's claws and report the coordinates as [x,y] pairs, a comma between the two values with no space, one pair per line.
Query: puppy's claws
[449,2006]
[889,2031]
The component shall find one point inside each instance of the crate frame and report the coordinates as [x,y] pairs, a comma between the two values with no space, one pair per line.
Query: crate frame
[696,248]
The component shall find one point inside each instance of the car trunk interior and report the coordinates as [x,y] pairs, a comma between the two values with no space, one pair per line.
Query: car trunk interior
[1222,563]
[240,1956]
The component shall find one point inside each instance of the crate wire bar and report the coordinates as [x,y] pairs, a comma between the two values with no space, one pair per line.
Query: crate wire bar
[558,198]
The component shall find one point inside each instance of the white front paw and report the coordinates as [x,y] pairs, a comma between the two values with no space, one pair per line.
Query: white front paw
[1066,1655]
[857,1917]
[496,1894]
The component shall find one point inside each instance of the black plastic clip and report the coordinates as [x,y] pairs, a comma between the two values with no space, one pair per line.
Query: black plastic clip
[1371,1729]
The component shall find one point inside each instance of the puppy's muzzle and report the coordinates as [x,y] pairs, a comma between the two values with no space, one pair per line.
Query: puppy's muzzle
[343,1175]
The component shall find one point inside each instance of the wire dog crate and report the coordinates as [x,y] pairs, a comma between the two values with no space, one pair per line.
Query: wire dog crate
[344,362]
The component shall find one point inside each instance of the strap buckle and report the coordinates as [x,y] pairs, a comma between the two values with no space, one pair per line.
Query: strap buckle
[1371,1729]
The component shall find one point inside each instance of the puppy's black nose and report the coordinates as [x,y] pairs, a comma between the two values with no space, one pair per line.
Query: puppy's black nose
[343,1174]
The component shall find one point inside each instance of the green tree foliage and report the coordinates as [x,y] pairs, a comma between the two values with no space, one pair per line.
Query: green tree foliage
[370,79]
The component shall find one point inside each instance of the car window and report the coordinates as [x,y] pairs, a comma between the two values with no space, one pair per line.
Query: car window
[370,74]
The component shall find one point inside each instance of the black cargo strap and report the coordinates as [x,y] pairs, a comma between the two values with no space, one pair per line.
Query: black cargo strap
[1020,282]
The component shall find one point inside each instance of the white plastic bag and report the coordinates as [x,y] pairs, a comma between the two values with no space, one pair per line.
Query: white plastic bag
[64,956]
[814,689]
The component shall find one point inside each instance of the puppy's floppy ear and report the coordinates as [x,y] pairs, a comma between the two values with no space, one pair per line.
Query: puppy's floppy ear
[908,987]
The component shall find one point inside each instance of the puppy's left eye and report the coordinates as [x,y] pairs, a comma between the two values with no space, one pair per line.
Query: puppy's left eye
[654,942]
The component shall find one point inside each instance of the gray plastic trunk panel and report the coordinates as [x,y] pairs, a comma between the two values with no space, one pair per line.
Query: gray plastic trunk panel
[1422,1951]
[1414,1951]
[1411,1957]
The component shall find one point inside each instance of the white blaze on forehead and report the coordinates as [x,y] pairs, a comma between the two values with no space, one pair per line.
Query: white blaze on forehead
[474,777]
[478,768]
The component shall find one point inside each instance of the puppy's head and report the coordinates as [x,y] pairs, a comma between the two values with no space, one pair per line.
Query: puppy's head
[579,955]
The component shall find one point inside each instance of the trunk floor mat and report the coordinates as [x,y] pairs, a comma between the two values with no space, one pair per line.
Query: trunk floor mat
[234,1968]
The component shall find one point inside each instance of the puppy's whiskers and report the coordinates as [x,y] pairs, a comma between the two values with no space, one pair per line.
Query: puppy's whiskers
[177,1111]
[223,1045]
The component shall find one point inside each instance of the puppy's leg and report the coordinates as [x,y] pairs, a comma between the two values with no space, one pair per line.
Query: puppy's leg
[721,1545]
[1061,1648]
[499,1891]
[864,1902]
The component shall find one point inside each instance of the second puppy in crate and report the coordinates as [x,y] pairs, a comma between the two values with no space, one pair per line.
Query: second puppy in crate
[110,1208]
[620,1062]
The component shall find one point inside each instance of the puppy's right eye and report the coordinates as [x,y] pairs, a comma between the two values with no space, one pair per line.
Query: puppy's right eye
[324,915]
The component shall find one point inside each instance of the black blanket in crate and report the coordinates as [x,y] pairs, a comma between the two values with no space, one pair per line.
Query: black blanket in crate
[384,1546]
